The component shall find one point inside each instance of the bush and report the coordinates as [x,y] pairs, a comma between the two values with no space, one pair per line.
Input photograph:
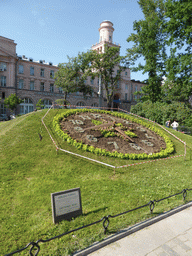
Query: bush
[161,112]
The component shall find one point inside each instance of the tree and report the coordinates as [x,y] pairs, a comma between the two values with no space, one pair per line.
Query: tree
[71,76]
[103,65]
[161,111]
[178,27]
[12,101]
[40,104]
[149,43]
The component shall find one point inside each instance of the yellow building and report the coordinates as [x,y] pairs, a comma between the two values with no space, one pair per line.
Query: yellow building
[33,80]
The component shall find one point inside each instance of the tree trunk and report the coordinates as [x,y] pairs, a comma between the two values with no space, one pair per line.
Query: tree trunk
[109,105]
[65,99]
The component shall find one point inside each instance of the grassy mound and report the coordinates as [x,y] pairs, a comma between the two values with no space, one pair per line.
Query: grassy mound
[31,170]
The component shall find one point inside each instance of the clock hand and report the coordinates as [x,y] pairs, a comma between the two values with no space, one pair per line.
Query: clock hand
[125,136]
[122,133]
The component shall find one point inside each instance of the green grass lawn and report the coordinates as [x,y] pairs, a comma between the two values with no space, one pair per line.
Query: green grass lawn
[30,170]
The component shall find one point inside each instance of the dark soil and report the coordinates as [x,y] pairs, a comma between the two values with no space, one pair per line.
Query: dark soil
[152,143]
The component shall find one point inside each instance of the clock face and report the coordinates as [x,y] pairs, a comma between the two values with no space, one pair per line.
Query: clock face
[112,133]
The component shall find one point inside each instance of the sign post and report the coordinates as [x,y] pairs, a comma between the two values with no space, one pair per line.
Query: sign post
[66,204]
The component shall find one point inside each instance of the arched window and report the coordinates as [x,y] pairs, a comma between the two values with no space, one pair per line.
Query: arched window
[80,104]
[26,106]
[47,103]
[94,105]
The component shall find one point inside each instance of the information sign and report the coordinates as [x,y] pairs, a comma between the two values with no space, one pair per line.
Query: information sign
[66,204]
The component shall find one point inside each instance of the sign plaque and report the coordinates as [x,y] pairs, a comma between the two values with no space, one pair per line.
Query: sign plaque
[66,204]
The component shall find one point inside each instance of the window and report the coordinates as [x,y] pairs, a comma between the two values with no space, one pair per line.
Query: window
[117,71]
[21,84]
[31,71]
[3,95]
[92,81]
[3,81]
[80,103]
[94,105]
[21,69]
[131,87]
[51,88]
[42,87]
[42,72]
[32,87]
[52,74]
[3,66]
[2,109]
[47,103]
[109,38]
[26,106]
[136,88]
[101,39]
[126,73]
[125,96]
[117,84]
[126,87]
[60,90]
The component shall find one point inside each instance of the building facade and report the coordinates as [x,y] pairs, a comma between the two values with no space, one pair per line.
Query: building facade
[33,80]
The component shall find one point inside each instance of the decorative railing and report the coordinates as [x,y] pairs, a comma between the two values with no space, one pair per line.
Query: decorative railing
[105,221]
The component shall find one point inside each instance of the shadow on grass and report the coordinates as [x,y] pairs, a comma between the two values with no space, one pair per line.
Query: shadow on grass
[95,211]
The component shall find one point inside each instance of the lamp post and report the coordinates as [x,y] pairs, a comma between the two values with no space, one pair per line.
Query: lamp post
[100,92]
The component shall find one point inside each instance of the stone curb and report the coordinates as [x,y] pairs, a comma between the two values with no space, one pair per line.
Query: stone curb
[125,232]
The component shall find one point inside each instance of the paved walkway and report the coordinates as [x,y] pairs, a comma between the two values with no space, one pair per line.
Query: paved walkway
[169,234]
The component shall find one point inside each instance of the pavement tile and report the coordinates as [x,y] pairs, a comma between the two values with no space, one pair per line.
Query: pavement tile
[163,254]
[181,251]
[160,251]
[189,233]
[189,243]
[182,244]
[171,243]
[151,254]
[168,249]
[183,237]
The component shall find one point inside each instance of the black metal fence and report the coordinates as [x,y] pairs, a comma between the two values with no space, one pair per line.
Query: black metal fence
[104,220]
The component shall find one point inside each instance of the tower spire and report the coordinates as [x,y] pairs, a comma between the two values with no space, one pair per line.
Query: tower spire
[106,31]
[105,36]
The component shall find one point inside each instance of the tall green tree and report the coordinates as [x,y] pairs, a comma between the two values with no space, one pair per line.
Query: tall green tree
[108,66]
[149,43]
[178,27]
[12,101]
[71,76]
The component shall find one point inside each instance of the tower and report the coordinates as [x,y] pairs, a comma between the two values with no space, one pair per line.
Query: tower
[105,36]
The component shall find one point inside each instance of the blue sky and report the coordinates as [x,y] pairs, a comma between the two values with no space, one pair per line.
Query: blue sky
[51,30]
